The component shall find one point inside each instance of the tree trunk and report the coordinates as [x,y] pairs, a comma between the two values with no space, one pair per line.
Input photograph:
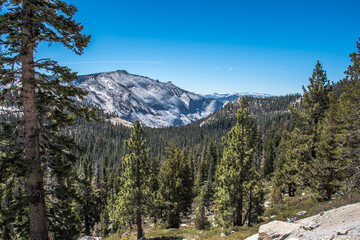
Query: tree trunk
[139,197]
[250,208]
[140,233]
[37,210]
[239,211]
[86,218]
[329,188]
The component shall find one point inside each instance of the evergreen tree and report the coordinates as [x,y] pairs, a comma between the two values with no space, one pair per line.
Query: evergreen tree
[201,221]
[207,167]
[134,196]
[91,196]
[34,88]
[254,198]
[328,169]
[270,155]
[349,119]
[175,187]
[234,171]
[316,101]
[288,174]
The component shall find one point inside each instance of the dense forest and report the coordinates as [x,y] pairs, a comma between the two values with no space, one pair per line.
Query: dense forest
[67,171]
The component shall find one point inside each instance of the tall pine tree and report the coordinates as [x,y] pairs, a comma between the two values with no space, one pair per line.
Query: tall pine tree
[328,168]
[134,196]
[35,87]
[175,187]
[349,112]
[234,171]
[315,103]
[316,100]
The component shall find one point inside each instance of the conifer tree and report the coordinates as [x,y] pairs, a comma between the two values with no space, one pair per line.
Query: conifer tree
[270,156]
[293,149]
[35,88]
[207,167]
[175,187]
[316,102]
[328,169]
[91,197]
[349,119]
[234,171]
[134,196]
[201,221]
[254,198]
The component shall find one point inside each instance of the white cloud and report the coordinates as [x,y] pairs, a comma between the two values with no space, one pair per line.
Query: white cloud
[153,62]
[230,69]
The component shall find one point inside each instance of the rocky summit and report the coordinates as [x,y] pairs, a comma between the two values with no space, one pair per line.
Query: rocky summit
[153,103]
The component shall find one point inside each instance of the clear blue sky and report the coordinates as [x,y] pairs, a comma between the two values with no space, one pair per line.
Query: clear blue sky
[267,46]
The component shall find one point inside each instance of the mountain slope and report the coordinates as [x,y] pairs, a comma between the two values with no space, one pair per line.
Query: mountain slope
[225,97]
[154,103]
[259,108]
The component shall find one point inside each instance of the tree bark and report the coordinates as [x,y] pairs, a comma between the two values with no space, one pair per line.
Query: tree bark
[37,209]
[140,233]
[239,210]
[250,208]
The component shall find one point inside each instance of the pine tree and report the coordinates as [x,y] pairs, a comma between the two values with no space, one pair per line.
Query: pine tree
[349,120]
[316,100]
[201,221]
[207,167]
[234,171]
[315,103]
[270,156]
[35,88]
[288,174]
[91,196]
[328,169]
[254,198]
[134,197]
[175,187]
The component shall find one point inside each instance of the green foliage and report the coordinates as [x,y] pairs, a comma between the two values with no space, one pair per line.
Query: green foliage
[291,167]
[175,187]
[207,166]
[41,102]
[349,119]
[328,168]
[298,152]
[91,196]
[134,197]
[234,171]
[203,200]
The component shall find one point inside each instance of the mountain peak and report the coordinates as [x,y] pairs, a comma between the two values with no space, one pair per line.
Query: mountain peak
[154,103]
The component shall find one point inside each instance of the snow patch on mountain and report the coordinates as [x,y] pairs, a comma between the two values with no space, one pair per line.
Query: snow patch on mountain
[154,103]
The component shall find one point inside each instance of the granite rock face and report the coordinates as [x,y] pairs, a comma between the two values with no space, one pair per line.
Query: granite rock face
[153,103]
[277,230]
[339,223]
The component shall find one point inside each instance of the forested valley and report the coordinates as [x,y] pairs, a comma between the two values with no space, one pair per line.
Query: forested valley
[66,171]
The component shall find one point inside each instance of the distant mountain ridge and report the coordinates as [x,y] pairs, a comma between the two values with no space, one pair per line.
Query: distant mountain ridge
[226,97]
[153,103]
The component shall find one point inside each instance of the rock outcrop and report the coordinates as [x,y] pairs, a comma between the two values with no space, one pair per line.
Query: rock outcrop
[277,230]
[340,223]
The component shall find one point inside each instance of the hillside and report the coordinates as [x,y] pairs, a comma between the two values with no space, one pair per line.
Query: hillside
[153,103]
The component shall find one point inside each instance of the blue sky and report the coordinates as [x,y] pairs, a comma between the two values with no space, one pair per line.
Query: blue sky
[216,45]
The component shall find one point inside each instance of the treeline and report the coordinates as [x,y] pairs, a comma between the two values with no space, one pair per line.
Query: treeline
[63,175]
